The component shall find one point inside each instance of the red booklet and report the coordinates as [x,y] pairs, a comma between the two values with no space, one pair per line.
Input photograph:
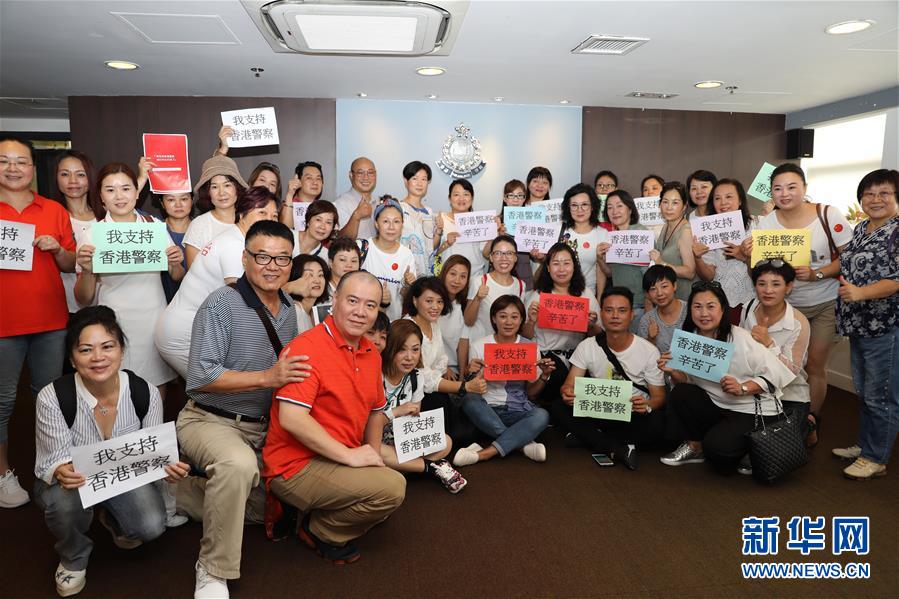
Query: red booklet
[169,153]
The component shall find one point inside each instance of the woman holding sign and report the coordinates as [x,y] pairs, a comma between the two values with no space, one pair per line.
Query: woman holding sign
[726,265]
[461,197]
[401,364]
[711,417]
[674,245]
[137,296]
[621,212]
[581,230]
[816,288]
[868,313]
[99,402]
[514,196]
[218,191]
[559,279]
[505,410]
[496,283]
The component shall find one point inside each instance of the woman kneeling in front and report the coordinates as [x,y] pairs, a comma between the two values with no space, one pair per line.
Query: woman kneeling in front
[104,406]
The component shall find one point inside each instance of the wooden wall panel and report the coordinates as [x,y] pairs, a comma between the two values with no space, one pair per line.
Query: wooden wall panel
[673,143]
[109,129]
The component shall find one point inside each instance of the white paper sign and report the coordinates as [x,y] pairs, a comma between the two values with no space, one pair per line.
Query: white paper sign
[476,226]
[630,247]
[252,127]
[539,235]
[16,251]
[418,436]
[124,463]
[717,230]
[553,210]
[648,208]
[299,215]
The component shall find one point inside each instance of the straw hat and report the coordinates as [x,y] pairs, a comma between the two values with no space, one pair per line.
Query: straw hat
[219,165]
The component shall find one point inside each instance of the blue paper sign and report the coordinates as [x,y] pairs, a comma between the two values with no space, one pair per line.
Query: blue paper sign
[512,215]
[700,356]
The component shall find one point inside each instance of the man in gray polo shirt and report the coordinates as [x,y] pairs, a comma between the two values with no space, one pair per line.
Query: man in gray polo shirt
[232,370]
[355,206]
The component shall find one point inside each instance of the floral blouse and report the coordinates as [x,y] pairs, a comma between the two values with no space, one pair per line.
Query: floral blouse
[867,259]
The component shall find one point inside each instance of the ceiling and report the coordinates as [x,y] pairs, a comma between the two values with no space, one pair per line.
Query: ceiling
[776,53]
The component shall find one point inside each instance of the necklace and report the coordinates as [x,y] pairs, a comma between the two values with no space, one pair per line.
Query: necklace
[106,410]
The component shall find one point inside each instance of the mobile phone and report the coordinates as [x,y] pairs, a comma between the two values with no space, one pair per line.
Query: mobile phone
[602,459]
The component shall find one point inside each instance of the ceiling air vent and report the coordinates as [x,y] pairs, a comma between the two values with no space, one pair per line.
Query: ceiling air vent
[651,95]
[609,44]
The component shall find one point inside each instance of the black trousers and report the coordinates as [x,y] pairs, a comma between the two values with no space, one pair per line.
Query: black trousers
[611,436]
[693,416]
[552,390]
[458,426]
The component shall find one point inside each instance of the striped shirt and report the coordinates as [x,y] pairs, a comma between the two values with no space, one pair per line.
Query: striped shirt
[227,335]
[54,438]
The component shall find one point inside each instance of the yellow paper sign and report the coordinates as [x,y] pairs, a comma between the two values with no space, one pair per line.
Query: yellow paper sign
[793,245]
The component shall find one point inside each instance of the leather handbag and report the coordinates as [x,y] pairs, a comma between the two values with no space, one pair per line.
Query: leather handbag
[777,447]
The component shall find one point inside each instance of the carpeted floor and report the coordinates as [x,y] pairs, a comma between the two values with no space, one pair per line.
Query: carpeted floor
[566,528]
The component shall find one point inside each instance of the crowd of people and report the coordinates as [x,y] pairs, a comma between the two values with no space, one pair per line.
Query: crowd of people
[299,344]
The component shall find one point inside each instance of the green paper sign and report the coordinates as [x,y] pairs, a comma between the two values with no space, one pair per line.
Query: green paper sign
[129,247]
[761,185]
[603,398]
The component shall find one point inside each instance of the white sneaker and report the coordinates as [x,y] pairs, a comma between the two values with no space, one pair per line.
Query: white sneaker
[69,582]
[175,520]
[535,451]
[11,492]
[465,457]
[847,453]
[209,586]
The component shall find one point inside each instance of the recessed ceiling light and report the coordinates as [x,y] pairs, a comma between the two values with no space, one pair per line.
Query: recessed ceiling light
[362,95]
[430,71]
[845,27]
[431,96]
[708,84]
[563,101]
[498,99]
[122,65]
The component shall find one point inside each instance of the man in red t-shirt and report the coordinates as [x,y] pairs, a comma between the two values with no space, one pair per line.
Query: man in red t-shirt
[322,453]
[33,311]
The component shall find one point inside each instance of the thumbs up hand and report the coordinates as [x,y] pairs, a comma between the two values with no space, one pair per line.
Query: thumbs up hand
[849,292]
[408,277]
[760,331]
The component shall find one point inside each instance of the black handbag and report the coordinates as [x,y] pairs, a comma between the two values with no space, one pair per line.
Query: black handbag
[776,448]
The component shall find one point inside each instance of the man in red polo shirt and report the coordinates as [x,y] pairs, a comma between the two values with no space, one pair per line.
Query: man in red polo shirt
[322,453]
[33,311]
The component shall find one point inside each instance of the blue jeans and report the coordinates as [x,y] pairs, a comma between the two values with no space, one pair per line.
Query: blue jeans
[44,352]
[875,370]
[140,514]
[510,429]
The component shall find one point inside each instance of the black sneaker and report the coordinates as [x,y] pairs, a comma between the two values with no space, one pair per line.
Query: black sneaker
[280,518]
[340,556]
[629,458]
[572,440]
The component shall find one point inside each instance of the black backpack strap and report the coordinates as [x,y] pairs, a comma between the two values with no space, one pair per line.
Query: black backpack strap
[266,322]
[64,387]
[613,359]
[414,379]
[140,395]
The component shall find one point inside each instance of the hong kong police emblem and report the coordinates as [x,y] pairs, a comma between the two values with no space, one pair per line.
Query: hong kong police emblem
[461,154]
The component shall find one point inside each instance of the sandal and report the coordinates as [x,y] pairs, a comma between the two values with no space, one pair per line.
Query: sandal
[812,428]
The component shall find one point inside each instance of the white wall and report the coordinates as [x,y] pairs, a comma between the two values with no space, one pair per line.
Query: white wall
[513,139]
[34,125]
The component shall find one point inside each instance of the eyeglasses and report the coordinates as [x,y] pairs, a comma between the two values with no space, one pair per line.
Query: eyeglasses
[580,206]
[265,259]
[362,174]
[515,196]
[868,195]
[502,254]
[705,285]
[5,161]
[605,186]
[775,262]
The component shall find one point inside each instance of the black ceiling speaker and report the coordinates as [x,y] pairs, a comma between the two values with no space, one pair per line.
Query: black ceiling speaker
[800,143]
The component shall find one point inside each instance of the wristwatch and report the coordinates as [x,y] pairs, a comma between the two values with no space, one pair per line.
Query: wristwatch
[819,276]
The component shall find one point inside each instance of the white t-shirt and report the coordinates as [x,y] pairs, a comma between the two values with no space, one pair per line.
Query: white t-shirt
[482,327]
[390,269]
[418,234]
[502,393]
[640,362]
[433,359]
[812,293]
[346,204]
[453,329]
[585,246]
[790,335]
[203,229]
[553,339]
[473,252]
